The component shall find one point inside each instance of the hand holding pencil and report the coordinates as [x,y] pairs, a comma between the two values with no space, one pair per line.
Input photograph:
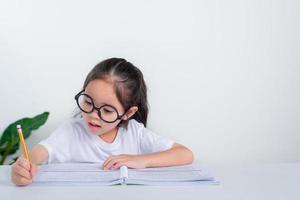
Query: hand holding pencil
[22,170]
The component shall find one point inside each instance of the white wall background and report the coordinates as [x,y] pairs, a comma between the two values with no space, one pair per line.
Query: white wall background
[223,76]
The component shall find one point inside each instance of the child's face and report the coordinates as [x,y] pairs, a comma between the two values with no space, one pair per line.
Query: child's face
[102,93]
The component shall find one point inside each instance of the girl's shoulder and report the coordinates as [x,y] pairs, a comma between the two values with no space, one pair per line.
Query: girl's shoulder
[134,125]
[136,129]
[71,125]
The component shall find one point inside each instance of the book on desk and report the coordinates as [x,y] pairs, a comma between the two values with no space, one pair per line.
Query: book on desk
[92,174]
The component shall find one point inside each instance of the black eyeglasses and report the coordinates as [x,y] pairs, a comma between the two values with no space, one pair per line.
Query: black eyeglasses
[106,112]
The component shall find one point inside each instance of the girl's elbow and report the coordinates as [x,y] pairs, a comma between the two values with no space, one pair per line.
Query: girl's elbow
[190,157]
[187,154]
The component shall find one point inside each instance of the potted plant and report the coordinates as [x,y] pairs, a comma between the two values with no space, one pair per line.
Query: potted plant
[9,141]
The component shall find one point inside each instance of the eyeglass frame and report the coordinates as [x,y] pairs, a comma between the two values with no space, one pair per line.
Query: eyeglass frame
[96,108]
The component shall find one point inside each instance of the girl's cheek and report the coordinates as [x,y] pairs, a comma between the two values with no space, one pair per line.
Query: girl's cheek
[85,117]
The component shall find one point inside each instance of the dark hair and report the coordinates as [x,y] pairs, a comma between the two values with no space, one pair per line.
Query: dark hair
[128,83]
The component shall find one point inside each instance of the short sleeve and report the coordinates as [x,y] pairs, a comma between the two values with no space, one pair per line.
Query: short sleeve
[58,143]
[151,142]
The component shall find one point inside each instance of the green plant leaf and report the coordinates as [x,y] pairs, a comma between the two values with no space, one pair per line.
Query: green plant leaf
[11,150]
[9,141]
[10,134]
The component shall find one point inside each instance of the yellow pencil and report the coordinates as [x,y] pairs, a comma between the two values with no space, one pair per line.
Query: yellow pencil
[24,149]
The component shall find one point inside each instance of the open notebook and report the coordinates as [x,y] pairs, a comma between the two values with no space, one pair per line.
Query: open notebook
[92,174]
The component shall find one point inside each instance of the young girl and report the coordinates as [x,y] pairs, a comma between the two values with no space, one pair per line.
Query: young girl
[112,129]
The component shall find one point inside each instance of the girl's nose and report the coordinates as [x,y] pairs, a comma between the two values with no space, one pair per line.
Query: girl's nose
[94,114]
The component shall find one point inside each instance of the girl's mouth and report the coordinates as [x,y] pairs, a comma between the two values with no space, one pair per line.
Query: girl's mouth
[93,126]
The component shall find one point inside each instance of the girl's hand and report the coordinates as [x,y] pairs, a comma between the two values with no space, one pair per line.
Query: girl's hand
[22,172]
[131,161]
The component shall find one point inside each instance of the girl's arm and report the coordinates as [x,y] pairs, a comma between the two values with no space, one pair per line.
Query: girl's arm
[177,155]
[38,154]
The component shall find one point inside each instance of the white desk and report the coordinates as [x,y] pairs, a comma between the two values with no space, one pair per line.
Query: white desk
[267,182]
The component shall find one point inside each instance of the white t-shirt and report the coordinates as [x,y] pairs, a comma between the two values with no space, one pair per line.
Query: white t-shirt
[72,142]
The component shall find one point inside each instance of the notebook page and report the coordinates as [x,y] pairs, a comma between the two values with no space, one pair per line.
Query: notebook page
[170,174]
[173,168]
[75,172]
